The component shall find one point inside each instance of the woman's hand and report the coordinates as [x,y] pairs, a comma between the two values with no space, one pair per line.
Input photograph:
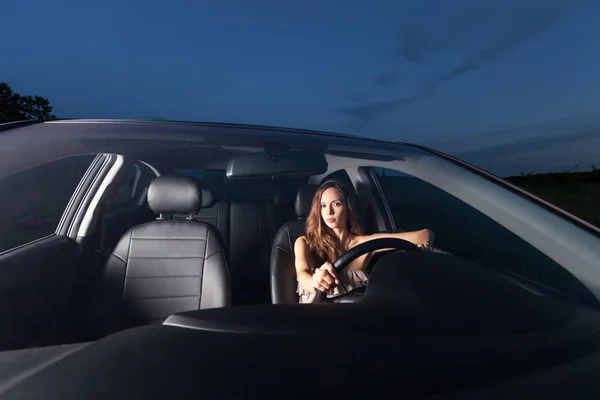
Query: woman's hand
[425,239]
[325,277]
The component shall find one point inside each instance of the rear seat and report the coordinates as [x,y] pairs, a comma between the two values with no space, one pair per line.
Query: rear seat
[247,226]
[247,229]
[252,229]
[214,212]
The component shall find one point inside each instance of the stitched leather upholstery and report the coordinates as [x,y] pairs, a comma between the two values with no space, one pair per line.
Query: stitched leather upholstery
[174,194]
[163,267]
[304,199]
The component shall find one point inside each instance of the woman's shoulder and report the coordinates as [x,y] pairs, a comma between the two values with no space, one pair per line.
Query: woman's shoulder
[301,248]
[360,239]
[301,243]
[302,239]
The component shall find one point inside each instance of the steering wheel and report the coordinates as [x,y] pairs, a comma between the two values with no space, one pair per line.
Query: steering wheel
[386,243]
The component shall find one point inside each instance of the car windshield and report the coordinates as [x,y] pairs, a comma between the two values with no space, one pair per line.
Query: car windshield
[157,159]
[130,223]
[412,198]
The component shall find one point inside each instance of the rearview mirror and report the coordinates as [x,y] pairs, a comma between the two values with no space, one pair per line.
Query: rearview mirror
[289,163]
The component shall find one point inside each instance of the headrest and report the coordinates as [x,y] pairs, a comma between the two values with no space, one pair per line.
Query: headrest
[208,200]
[170,194]
[304,199]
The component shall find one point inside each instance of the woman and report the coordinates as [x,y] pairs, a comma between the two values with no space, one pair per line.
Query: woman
[332,228]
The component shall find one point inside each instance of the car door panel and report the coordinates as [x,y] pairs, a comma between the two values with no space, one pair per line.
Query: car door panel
[36,278]
[35,287]
[123,206]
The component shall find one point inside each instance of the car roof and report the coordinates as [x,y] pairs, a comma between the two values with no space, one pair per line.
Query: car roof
[209,129]
[50,140]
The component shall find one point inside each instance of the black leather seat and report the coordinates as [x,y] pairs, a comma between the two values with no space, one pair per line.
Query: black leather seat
[283,270]
[251,235]
[247,226]
[165,266]
[214,212]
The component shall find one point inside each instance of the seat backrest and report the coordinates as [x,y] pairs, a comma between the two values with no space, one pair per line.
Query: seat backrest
[246,222]
[214,212]
[165,266]
[252,228]
[283,270]
[284,206]
[217,216]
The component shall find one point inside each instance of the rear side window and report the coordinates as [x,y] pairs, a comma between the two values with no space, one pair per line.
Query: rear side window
[33,201]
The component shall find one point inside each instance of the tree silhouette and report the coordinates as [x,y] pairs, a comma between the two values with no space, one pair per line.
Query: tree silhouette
[593,166]
[15,107]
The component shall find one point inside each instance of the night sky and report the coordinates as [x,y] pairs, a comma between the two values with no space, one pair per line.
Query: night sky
[512,86]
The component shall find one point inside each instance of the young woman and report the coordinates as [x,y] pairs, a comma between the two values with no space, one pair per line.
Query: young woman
[332,228]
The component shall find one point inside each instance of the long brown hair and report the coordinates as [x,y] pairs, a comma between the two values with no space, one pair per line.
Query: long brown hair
[318,235]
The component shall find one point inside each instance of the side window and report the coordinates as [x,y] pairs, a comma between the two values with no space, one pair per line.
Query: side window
[133,189]
[33,201]
[466,232]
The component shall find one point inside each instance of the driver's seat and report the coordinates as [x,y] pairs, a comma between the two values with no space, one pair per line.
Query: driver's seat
[283,270]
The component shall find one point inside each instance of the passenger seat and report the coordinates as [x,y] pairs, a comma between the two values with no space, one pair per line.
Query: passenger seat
[165,266]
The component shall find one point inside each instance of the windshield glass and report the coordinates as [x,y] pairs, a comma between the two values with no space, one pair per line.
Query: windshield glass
[123,224]
[412,197]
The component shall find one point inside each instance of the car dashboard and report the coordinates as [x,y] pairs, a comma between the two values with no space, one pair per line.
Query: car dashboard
[428,324]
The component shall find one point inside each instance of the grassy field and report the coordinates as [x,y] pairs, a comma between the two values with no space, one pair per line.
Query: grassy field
[575,192]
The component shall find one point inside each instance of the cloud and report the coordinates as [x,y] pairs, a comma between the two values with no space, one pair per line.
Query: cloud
[413,46]
[386,79]
[550,146]
[554,156]
[460,40]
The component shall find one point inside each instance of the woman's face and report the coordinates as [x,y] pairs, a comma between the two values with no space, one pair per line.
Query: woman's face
[333,209]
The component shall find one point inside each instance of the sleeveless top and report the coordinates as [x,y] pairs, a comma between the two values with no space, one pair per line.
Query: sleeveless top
[350,278]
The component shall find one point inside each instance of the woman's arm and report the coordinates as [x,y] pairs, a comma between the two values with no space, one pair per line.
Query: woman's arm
[303,269]
[424,237]
[323,277]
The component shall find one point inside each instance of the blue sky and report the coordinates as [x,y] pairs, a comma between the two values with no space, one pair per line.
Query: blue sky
[509,85]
